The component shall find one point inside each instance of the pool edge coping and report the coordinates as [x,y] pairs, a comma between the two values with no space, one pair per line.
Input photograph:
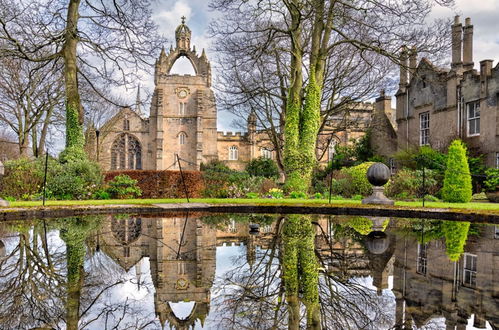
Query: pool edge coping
[26,213]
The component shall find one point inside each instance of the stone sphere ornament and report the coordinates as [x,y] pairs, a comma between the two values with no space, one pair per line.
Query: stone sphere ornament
[378,175]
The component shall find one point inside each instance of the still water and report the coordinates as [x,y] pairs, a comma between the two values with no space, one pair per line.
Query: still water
[236,271]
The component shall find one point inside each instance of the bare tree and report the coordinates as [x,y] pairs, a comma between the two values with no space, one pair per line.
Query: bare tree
[30,95]
[95,41]
[318,40]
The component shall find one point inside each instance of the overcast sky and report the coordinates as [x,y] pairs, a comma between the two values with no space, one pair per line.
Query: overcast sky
[484,16]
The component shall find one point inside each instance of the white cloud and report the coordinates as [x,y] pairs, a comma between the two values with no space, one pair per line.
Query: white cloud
[168,20]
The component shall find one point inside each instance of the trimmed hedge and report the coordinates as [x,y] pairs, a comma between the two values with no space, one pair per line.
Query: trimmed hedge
[163,184]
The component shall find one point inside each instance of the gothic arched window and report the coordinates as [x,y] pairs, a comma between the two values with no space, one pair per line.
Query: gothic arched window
[126,153]
[233,153]
[182,137]
[127,230]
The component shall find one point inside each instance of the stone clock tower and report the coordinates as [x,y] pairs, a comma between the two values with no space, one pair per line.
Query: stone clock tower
[183,113]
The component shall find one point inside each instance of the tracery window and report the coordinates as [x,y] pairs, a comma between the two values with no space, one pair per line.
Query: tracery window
[233,153]
[126,231]
[126,153]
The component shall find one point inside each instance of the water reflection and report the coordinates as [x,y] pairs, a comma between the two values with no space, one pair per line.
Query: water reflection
[196,270]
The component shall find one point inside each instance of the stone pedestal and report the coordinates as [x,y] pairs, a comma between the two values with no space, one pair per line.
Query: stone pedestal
[378,197]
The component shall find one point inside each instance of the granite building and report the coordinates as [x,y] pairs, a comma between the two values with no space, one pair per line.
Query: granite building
[437,105]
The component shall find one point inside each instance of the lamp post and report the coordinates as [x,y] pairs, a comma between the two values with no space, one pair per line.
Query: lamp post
[97,133]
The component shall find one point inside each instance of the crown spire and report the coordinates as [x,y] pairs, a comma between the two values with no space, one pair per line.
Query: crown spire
[183,36]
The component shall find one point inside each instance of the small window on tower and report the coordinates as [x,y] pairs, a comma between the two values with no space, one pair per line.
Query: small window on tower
[182,138]
[181,108]
[126,125]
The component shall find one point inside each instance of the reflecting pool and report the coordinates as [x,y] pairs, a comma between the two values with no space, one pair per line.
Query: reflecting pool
[240,271]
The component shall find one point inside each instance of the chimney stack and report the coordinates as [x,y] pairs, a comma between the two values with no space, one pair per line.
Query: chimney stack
[413,62]
[404,65]
[468,45]
[457,43]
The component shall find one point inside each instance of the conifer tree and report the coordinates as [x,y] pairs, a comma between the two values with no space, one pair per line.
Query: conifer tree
[457,181]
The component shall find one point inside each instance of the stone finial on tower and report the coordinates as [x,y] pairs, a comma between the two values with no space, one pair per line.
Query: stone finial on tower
[252,122]
[183,36]
[468,45]
[137,102]
[404,65]
[457,43]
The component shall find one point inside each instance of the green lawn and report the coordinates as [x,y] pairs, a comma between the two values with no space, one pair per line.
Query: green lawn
[311,202]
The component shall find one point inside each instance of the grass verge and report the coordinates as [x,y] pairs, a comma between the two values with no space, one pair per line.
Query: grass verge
[287,201]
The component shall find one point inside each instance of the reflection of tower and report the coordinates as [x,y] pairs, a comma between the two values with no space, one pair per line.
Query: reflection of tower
[182,269]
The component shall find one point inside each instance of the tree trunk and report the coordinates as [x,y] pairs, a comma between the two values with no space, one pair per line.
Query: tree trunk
[43,134]
[23,144]
[292,156]
[75,139]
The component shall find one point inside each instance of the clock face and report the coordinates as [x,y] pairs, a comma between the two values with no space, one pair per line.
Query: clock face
[182,93]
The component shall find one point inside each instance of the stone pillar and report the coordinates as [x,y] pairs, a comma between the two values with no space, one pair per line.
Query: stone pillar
[468,45]
[457,43]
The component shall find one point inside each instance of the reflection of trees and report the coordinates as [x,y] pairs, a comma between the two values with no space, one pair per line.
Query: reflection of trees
[300,270]
[46,282]
[285,289]
[252,297]
[30,277]
[346,303]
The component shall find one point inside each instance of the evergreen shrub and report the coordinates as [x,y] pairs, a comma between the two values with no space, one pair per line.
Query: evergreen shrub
[123,187]
[353,181]
[22,179]
[74,179]
[264,167]
[457,186]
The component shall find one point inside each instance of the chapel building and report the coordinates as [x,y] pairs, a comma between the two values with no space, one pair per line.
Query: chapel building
[182,124]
